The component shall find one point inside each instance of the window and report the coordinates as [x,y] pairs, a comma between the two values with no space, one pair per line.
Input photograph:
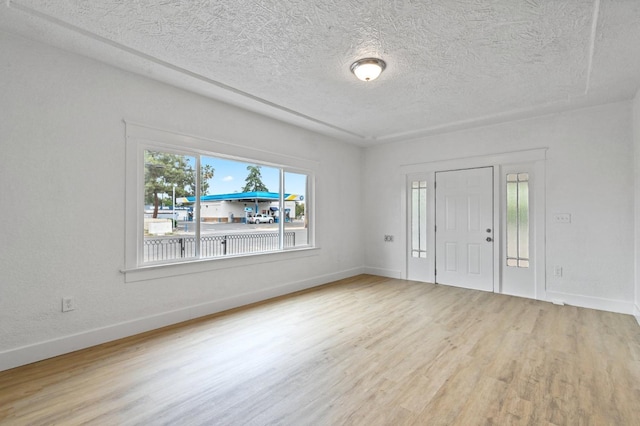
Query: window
[518,220]
[193,204]
[419,219]
[294,215]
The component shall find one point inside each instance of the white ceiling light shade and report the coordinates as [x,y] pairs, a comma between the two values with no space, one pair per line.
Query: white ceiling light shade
[368,69]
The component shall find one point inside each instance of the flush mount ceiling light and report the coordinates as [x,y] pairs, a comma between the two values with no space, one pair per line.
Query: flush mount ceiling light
[368,69]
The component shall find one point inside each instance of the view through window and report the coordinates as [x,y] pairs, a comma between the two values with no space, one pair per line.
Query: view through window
[229,208]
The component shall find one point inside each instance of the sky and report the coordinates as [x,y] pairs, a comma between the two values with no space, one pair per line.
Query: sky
[229,177]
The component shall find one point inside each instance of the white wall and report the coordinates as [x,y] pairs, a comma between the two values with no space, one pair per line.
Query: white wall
[63,150]
[63,147]
[589,171]
[636,145]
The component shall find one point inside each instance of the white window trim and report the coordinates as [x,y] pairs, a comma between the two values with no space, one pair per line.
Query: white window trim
[140,137]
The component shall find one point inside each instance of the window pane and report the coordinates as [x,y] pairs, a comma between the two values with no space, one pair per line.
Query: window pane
[512,220]
[167,177]
[208,206]
[238,206]
[523,220]
[419,219]
[295,214]
[517,219]
[423,218]
[415,220]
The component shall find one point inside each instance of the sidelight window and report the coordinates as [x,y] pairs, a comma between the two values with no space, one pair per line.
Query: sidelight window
[517,229]
[419,219]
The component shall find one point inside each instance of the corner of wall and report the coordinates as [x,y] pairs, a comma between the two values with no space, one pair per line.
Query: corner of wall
[383,272]
[590,302]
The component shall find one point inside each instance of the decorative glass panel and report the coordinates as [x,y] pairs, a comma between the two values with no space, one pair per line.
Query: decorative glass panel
[523,217]
[517,228]
[512,217]
[419,219]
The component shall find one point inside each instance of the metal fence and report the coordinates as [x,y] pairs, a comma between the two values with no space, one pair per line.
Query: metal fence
[177,247]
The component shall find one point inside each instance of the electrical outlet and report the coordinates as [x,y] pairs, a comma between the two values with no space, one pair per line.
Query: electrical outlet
[557,271]
[562,218]
[388,238]
[68,304]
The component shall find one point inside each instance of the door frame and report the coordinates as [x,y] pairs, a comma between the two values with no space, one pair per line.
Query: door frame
[535,156]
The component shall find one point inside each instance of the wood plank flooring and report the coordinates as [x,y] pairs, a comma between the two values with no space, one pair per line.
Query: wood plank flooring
[363,351]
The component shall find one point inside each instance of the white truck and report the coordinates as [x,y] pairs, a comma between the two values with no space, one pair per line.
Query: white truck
[260,218]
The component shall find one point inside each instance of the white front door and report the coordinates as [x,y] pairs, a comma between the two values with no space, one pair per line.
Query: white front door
[464,228]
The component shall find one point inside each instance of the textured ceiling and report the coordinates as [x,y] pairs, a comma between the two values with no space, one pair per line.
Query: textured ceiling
[450,64]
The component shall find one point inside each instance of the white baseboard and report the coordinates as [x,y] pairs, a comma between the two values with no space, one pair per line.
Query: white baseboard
[48,349]
[601,304]
[389,273]
[636,313]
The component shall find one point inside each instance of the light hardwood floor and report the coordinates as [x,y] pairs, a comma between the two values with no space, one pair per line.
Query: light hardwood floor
[363,351]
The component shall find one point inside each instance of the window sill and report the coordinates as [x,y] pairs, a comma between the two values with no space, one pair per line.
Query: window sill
[151,272]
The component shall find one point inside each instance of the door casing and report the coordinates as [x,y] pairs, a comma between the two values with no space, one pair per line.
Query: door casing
[427,170]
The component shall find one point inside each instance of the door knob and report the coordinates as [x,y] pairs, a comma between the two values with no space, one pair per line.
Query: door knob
[489,239]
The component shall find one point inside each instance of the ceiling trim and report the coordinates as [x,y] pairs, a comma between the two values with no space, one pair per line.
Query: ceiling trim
[239,98]
[535,111]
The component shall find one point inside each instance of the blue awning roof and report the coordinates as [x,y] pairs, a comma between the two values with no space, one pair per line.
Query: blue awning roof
[254,195]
